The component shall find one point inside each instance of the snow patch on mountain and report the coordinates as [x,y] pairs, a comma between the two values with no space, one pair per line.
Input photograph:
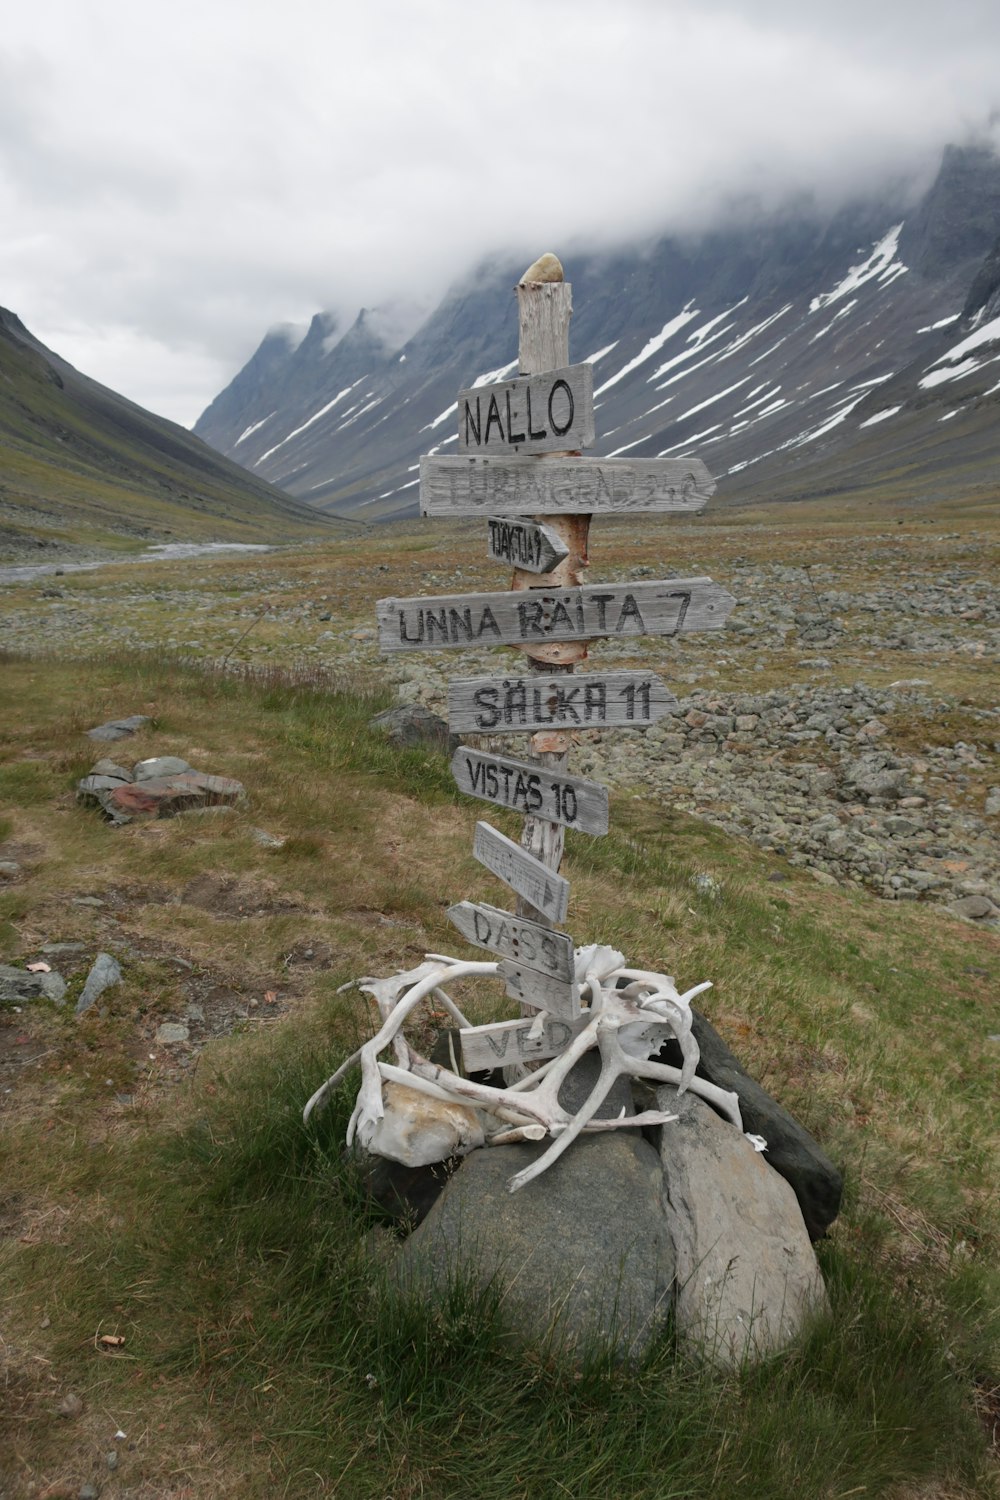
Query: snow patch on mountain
[881,263]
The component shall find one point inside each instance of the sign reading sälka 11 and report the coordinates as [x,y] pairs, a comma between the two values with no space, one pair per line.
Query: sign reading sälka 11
[519,466]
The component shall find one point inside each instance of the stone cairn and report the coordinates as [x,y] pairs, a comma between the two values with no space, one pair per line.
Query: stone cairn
[716,1224]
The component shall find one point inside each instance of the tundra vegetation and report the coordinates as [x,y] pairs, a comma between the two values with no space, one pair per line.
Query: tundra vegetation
[206,1275]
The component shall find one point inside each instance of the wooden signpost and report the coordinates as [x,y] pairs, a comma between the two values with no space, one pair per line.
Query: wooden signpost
[527,787]
[671,606]
[527,943]
[524,544]
[513,1041]
[458,486]
[547,891]
[535,414]
[594,700]
[519,466]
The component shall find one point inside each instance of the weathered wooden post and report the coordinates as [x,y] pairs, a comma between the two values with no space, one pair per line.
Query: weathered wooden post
[519,464]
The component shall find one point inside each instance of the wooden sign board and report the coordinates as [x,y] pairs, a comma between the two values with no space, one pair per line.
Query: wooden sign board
[527,943]
[530,788]
[546,891]
[533,414]
[532,617]
[518,486]
[540,990]
[504,1042]
[529,545]
[588,700]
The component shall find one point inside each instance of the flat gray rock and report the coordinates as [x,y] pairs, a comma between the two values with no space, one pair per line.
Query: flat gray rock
[580,1254]
[104,972]
[159,765]
[747,1278]
[18,987]
[118,729]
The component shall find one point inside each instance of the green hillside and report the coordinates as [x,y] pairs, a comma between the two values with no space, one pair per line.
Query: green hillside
[81,467]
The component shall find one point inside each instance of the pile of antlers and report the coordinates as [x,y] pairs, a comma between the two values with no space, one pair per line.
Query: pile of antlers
[632,1012]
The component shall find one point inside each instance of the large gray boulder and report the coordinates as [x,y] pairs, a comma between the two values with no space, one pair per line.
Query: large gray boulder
[747,1278]
[580,1254]
[791,1150]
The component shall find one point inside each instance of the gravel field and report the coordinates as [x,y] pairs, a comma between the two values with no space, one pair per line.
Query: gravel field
[845,719]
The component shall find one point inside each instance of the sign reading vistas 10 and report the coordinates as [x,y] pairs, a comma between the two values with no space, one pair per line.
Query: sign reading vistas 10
[518,465]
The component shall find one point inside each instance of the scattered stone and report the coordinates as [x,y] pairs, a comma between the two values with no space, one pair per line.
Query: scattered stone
[111,1459]
[267,840]
[823,877]
[9,869]
[70,1405]
[168,1033]
[88,1491]
[88,901]
[413,726]
[581,1253]
[61,950]
[974,908]
[992,806]
[105,971]
[747,1277]
[18,987]
[118,729]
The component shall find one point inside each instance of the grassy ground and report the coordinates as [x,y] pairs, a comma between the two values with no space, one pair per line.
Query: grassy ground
[167,1195]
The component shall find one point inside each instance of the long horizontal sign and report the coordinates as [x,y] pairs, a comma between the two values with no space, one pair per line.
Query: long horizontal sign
[524,544]
[520,486]
[533,414]
[527,943]
[547,891]
[590,700]
[540,990]
[528,787]
[504,1042]
[529,617]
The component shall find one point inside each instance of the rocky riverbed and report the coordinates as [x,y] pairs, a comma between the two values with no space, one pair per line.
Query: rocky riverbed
[846,719]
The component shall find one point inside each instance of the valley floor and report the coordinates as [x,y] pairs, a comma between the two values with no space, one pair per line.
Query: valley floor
[816,829]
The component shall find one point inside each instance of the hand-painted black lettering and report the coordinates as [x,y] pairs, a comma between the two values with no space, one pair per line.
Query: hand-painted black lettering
[437,622]
[602,601]
[487,622]
[541,433]
[553,422]
[530,619]
[630,611]
[684,595]
[475,427]
[461,623]
[486,700]
[493,415]
[560,617]
[595,705]
[512,436]
[404,627]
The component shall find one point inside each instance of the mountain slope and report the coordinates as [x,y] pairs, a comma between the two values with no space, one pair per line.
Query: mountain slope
[791,353]
[80,465]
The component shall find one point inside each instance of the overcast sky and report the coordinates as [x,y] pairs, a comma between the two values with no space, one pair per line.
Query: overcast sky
[175,179]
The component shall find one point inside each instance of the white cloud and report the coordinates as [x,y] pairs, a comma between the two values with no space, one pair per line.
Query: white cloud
[174,181]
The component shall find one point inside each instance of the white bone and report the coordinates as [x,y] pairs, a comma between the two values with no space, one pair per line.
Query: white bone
[417,1111]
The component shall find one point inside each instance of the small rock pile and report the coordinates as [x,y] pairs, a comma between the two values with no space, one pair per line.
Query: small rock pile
[156,788]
